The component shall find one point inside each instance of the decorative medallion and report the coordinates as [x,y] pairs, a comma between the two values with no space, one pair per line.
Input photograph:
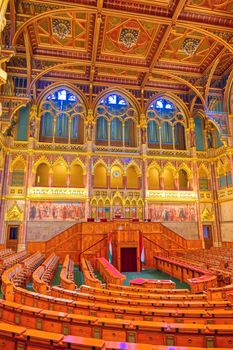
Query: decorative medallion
[129,37]
[61,28]
[190,46]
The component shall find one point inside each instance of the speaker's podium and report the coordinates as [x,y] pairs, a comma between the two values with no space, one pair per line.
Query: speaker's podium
[126,250]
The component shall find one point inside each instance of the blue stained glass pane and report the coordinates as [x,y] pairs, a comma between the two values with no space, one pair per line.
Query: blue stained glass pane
[61,96]
[112,99]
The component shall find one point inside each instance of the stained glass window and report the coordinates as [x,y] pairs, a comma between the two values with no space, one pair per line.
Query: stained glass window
[62,117]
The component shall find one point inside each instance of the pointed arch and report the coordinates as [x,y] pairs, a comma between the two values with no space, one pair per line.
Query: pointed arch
[100,161]
[18,162]
[169,175]
[69,86]
[60,161]
[100,169]
[77,161]
[135,164]
[153,174]
[185,167]
[121,91]
[39,161]
[173,98]
[118,163]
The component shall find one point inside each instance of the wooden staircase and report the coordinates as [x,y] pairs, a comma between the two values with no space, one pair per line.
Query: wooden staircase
[90,240]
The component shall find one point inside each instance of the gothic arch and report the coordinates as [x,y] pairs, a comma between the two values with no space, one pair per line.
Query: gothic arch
[123,92]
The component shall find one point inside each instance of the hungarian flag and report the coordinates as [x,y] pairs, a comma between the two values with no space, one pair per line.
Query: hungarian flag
[110,248]
[142,258]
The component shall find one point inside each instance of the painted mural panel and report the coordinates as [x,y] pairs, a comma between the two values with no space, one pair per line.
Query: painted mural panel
[47,211]
[172,212]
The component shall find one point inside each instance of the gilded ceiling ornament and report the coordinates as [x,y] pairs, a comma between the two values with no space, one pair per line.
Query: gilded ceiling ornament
[61,27]
[190,46]
[129,37]
[225,36]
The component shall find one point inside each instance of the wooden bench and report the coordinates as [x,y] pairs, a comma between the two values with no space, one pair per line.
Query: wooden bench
[44,274]
[88,273]
[67,274]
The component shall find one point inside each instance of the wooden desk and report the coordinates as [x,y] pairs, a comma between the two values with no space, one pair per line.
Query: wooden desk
[198,278]
[43,336]
[109,272]
[81,343]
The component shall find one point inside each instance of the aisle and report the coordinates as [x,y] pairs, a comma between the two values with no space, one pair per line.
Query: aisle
[153,274]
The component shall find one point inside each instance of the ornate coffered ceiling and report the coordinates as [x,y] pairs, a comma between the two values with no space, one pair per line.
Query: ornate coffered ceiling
[137,44]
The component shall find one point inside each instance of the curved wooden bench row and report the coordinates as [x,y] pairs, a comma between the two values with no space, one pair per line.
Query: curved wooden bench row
[109,272]
[141,295]
[88,273]
[44,274]
[18,274]
[7,262]
[101,309]
[221,293]
[15,337]
[74,295]
[199,279]
[161,333]
[216,259]
[67,274]
[5,252]
[222,270]
[147,290]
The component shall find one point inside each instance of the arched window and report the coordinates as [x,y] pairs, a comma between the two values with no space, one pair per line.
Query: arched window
[42,175]
[62,117]
[165,125]
[116,122]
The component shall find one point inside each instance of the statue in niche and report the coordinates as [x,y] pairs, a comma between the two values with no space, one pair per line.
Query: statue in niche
[143,127]
[89,125]
[9,130]
[192,138]
[209,139]
[32,121]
